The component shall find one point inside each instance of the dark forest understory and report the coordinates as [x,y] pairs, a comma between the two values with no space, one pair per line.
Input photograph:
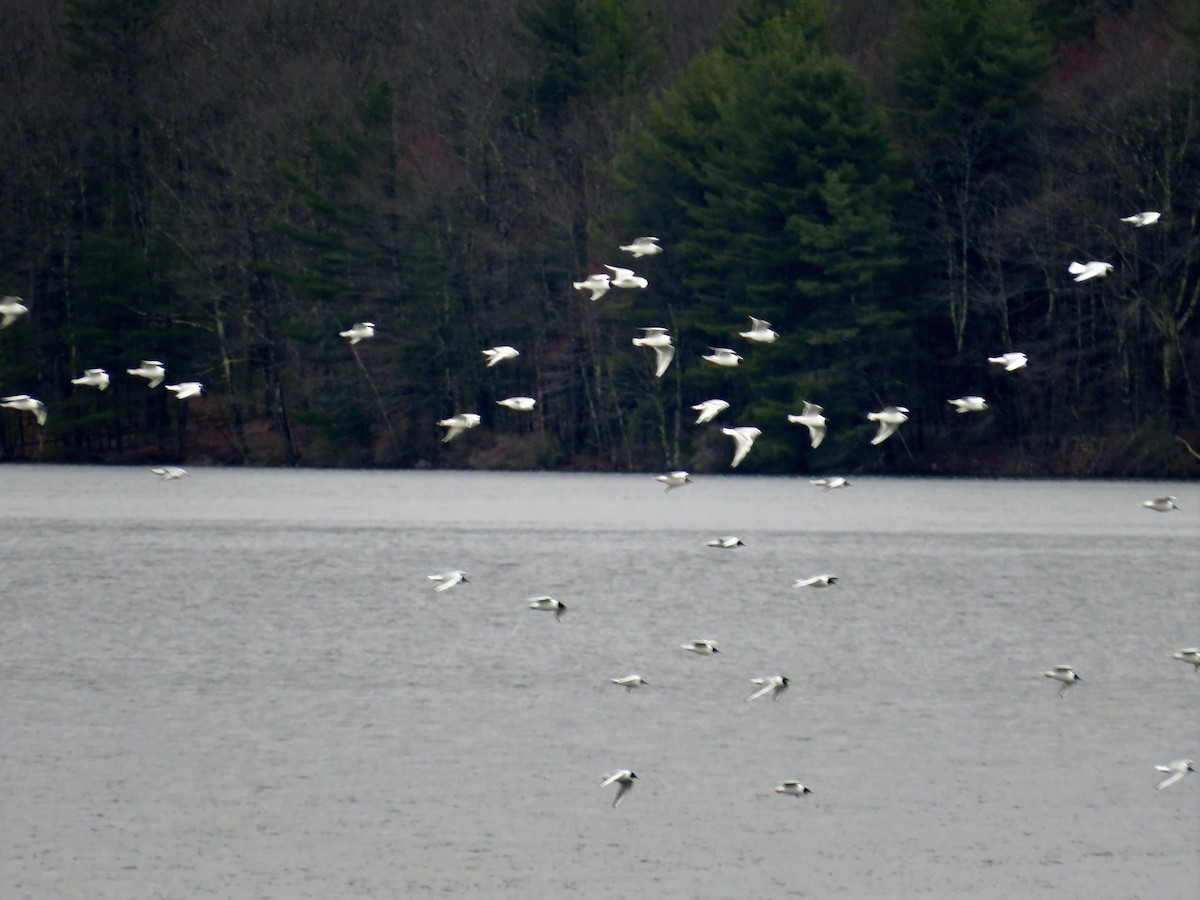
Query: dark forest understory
[897,188]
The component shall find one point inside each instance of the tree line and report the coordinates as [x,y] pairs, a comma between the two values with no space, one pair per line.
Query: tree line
[897,188]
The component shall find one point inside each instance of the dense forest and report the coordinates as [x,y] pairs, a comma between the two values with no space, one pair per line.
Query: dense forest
[898,188]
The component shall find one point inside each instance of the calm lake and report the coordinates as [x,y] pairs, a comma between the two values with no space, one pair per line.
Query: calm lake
[242,685]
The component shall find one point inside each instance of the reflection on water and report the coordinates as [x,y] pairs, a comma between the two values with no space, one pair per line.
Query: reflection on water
[242,685]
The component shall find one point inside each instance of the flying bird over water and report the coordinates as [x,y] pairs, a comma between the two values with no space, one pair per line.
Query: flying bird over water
[722,356]
[1190,655]
[456,425]
[643,246]
[709,410]
[25,403]
[624,278]
[792,789]
[1174,771]
[1142,219]
[186,389]
[817,581]
[1091,269]
[170,473]
[96,378]
[499,354]
[11,309]
[889,418]
[812,419]
[629,682]
[1011,361]
[968,404]
[447,580]
[150,369]
[660,341]
[549,604]
[774,685]
[831,483]
[674,479]
[760,331]
[1066,675]
[729,542]
[743,437]
[624,780]
[597,284]
[359,331]
[520,404]
[701,647]
[1160,504]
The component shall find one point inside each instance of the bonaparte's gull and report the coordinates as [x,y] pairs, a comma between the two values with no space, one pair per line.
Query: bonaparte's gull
[456,425]
[1142,219]
[25,403]
[1066,675]
[816,581]
[1160,504]
[520,404]
[812,419]
[1092,269]
[629,682]
[643,246]
[743,438]
[722,356]
[97,378]
[1190,655]
[170,473]
[624,278]
[1174,771]
[660,340]
[500,354]
[359,331]
[624,781]
[186,389]
[11,309]
[150,369]
[774,685]
[597,284]
[760,331]
[889,418]
[831,483]
[1011,361]
[969,404]
[726,543]
[792,789]
[701,647]
[549,604]
[448,580]
[674,479]
[709,410]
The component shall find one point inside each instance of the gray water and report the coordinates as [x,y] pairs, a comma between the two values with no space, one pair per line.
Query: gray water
[243,685]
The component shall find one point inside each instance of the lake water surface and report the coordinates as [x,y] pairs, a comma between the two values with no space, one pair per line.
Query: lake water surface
[241,684]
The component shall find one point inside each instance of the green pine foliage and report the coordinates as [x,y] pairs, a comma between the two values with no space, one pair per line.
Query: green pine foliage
[769,175]
[966,104]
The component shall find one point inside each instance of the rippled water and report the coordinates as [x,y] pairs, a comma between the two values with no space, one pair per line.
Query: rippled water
[242,685]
